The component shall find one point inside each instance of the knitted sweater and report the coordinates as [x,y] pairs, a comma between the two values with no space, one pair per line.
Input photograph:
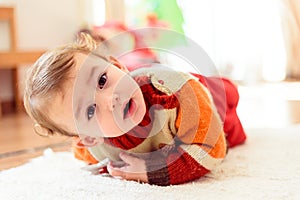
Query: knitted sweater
[181,136]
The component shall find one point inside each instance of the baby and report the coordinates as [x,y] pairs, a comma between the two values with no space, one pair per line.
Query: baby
[167,127]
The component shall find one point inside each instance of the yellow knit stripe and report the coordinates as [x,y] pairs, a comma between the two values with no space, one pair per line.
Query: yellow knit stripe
[201,156]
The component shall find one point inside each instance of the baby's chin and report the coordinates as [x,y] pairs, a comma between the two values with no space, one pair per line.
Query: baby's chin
[122,131]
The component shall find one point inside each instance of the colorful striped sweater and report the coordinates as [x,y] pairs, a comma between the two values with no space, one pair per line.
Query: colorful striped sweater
[181,136]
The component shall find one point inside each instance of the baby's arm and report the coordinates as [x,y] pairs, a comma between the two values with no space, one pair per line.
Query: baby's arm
[199,145]
[183,163]
[200,141]
[134,169]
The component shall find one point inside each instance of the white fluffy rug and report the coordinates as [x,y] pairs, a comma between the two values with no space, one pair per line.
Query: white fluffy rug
[266,167]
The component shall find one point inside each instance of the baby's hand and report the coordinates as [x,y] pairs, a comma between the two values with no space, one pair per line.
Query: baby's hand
[134,168]
[97,168]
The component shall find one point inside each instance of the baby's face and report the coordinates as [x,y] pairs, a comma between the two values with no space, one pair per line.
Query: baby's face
[99,100]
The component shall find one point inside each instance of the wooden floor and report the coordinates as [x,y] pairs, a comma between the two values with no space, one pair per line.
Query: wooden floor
[262,106]
[19,143]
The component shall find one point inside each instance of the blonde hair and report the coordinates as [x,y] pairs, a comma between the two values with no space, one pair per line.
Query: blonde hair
[46,78]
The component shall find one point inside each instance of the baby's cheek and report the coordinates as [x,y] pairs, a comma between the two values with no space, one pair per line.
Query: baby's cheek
[106,124]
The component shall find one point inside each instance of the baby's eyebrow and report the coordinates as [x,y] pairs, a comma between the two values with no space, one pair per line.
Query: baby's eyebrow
[78,108]
[91,74]
[100,56]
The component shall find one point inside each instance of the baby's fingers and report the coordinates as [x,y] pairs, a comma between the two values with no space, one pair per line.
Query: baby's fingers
[122,173]
[128,158]
[115,171]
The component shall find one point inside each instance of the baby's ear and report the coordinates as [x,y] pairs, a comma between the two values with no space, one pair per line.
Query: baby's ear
[89,141]
[115,62]
[41,131]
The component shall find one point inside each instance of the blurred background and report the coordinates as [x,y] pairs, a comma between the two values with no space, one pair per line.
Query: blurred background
[256,43]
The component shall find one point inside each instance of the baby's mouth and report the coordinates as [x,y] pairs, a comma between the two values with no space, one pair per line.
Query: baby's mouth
[126,111]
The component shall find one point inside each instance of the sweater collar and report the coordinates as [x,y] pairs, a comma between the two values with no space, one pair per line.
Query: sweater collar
[152,97]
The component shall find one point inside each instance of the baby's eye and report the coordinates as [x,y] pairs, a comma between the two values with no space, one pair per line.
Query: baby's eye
[102,81]
[91,111]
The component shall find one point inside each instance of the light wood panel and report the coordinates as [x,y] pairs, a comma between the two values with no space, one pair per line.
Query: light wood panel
[8,14]
[13,59]
[9,60]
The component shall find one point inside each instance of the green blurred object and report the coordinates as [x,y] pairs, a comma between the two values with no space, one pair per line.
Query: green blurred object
[168,11]
[160,14]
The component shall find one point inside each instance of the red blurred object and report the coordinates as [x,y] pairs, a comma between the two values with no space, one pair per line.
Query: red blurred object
[137,56]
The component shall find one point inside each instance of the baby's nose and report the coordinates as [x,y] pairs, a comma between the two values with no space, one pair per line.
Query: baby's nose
[113,101]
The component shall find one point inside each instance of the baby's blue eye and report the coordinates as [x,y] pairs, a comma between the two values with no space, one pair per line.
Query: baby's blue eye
[102,81]
[91,111]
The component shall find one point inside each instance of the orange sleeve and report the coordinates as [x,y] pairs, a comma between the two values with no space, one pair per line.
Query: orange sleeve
[198,121]
[81,152]
[202,146]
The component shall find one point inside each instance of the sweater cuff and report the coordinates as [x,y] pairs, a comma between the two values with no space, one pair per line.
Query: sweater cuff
[157,169]
[159,177]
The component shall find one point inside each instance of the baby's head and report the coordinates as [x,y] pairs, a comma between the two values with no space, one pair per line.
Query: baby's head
[72,90]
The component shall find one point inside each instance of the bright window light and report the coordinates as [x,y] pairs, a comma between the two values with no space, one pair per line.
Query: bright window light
[98,12]
[242,37]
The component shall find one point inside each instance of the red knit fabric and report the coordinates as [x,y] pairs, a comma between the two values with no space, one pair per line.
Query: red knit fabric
[134,137]
[152,97]
[178,166]
[183,168]
[226,97]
